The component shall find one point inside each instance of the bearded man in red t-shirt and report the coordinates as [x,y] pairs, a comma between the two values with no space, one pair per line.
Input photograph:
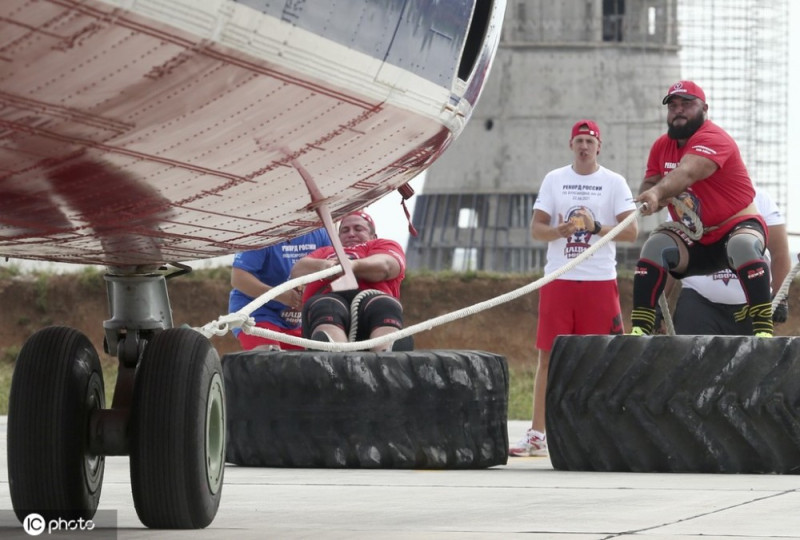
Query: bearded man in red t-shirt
[718,225]
[379,267]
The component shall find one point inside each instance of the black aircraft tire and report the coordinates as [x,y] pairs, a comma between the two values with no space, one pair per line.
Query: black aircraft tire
[418,409]
[693,404]
[178,432]
[57,382]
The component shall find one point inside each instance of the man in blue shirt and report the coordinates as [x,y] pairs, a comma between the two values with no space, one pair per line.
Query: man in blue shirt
[256,272]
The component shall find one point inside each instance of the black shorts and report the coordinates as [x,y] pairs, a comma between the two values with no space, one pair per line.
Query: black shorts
[378,314]
[709,258]
[696,315]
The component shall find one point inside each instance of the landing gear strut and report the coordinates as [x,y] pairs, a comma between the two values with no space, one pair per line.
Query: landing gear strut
[168,414]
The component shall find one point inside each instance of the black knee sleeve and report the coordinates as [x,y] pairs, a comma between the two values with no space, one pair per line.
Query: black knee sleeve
[376,310]
[325,309]
[745,253]
[661,249]
[743,249]
[659,255]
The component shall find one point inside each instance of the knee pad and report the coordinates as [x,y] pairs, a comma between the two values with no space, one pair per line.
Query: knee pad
[324,309]
[375,309]
[662,249]
[744,247]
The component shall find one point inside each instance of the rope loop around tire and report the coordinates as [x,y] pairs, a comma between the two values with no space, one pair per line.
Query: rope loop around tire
[354,305]
[681,227]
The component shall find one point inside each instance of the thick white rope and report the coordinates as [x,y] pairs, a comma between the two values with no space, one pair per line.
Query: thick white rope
[679,226]
[784,290]
[354,305]
[241,318]
[666,315]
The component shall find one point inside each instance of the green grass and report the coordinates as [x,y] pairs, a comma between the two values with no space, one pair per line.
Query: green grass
[5,385]
[9,355]
[470,275]
[519,399]
[109,379]
[520,393]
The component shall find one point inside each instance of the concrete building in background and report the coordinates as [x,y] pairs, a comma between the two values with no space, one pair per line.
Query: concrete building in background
[608,60]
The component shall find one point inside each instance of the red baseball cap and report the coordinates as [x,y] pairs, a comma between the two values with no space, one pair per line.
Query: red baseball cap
[586,127]
[686,90]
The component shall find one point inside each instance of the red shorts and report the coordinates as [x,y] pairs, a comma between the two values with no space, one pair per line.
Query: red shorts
[577,307]
[249,341]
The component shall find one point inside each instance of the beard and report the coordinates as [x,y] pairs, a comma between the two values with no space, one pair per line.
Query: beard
[687,130]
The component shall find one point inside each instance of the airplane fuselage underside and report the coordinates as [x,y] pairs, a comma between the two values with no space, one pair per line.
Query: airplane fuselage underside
[174,131]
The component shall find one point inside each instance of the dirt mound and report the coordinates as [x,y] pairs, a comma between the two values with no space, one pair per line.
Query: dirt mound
[79,301]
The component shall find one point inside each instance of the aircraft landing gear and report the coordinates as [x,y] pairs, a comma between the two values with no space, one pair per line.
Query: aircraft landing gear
[168,414]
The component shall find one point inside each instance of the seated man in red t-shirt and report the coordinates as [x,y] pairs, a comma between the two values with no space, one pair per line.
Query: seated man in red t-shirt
[379,267]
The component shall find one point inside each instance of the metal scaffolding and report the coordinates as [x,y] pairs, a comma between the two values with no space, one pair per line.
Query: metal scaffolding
[737,51]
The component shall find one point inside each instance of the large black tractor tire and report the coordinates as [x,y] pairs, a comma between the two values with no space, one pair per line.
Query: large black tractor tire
[178,432]
[694,404]
[57,383]
[418,409]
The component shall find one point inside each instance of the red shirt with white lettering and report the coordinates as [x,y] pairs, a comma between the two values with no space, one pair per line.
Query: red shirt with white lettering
[716,198]
[361,251]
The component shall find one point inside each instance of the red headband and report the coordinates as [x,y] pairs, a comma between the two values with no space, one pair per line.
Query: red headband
[366,217]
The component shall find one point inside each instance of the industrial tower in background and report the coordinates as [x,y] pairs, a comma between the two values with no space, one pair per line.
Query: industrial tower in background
[611,61]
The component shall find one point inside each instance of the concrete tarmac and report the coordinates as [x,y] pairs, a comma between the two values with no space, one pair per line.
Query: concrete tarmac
[526,499]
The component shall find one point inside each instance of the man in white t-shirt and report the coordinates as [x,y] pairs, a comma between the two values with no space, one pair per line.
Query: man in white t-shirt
[576,205]
[715,304]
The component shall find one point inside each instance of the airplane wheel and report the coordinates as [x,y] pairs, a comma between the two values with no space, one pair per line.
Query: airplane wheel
[178,432]
[440,409]
[694,404]
[57,382]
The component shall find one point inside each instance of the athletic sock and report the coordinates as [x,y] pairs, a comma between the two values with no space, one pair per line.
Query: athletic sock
[649,281]
[754,279]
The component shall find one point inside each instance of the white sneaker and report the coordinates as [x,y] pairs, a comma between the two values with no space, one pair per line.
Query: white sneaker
[534,443]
